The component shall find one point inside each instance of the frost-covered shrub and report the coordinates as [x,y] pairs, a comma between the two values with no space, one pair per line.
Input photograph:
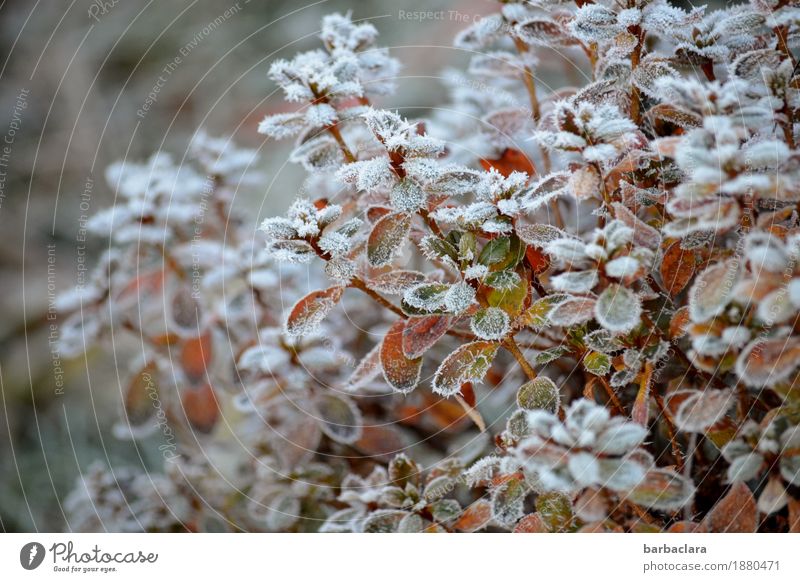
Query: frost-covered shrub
[573,311]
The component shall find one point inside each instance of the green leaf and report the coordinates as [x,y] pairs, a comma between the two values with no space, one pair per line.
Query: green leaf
[555,509]
[495,251]
[509,299]
[597,363]
[539,394]
[508,502]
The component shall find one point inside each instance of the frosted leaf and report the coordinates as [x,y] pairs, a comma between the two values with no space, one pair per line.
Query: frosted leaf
[508,502]
[539,394]
[282,125]
[366,370]
[540,235]
[623,268]
[459,298]
[768,361]
[702,409]
[647,74]
[456,181]
[387,237]
[340,419]
[368,175]
[491,323]
[427,296]
[481,34]
[575,281]
[307,314]
[712,290]
[572,311]
[597,363]
[407,196]
[395,282]
[477,272]
[584,469]
[340,32]
[303,215]
[621,474]
[402,373]
[334,243]
[341,270]
[546,189]
[469,363]
[618,309]
[765,251]
[663,490]
[643,234]
[602,341]
[421,333]
[291,251]
[594,22]
[278,227]
[502,280]
[620,437]
[544,32]
[567,251]
[321,153]
[482,470]
[435,248]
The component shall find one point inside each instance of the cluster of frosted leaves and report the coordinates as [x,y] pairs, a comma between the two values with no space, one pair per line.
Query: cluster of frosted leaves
[125,501]
[645,292]
[403,498]
[766,454]
[589,449]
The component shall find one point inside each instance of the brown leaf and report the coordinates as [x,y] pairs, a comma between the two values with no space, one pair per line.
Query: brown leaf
[381,441]
[308,313]
[677,268]
[201,408]
[511,160]
[386,237]
[196,356]
[474,517]
[402,373]
[140,395]
[537,259]
[794,515]
[531,523]
[765,362]
[734,513]
[679,323]
[420,333]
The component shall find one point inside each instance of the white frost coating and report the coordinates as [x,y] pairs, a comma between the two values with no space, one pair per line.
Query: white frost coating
[459,297]
[618,309]
[490,323]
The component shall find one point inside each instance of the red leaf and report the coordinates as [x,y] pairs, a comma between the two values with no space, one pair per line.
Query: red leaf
[308,313]
[401,373]
[677,268]
[474,517]
[196,356]
[511,160]
[388,234]
[734,513]
[201,408]
[420,333]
